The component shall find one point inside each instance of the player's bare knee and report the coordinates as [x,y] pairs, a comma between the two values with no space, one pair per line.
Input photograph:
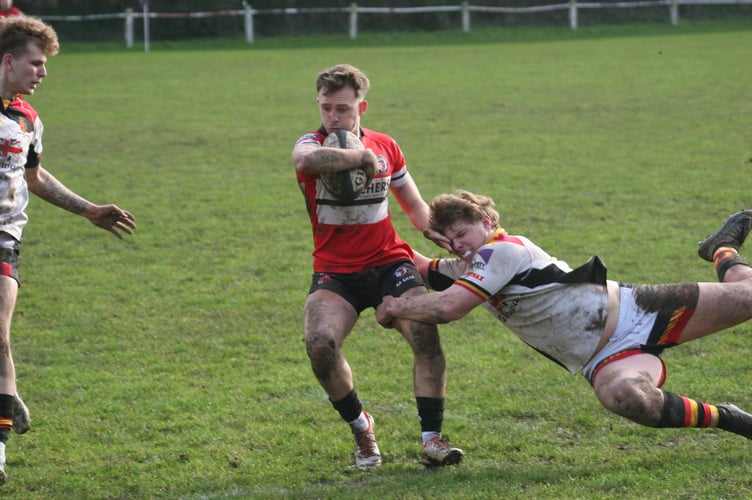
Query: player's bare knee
[320,346]
[634,398]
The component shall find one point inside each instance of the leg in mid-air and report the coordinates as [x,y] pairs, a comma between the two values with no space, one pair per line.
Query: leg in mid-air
[328,319]
[630,386]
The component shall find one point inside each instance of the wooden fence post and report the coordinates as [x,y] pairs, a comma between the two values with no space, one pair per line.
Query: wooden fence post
[573,15]
[248,15]
[674,12]
[147,35]
[129,27]
[353,21]
[465,17]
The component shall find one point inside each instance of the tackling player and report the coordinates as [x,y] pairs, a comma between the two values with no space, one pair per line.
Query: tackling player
[613,333]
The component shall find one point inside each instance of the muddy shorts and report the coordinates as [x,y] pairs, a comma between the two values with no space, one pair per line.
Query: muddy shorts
[651,319]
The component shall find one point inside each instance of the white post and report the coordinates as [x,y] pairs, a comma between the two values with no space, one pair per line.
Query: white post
[129,27]
[353,21]
[674,12]
[146,25]
[248,13]
[573,15]
[465,17]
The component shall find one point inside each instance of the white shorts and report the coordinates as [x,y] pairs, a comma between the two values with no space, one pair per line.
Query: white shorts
[649,328]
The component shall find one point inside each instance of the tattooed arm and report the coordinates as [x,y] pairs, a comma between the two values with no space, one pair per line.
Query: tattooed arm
[311,159]
[108,217]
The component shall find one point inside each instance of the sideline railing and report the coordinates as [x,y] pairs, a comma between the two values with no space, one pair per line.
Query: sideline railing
[354,10]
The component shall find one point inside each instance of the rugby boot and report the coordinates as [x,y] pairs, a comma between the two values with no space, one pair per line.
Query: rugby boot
[21,417]
[732,233]
[733,419]
[367,454]
[437,453]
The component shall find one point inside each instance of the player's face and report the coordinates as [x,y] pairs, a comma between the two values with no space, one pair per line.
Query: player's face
[25,72]
[467,237]
[341,110]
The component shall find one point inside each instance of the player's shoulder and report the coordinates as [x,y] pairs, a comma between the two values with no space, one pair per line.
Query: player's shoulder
[506,248]
[311,138]
[23,107]
[372,136]
[511,242]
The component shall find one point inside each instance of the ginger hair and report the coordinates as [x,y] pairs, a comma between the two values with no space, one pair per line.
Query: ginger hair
[464,206]
[17,31]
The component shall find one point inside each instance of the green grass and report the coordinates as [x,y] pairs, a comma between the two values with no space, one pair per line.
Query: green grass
[171,364]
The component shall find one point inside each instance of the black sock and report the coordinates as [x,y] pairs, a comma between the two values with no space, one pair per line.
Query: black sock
[430,413]
[348,407]
[6,416]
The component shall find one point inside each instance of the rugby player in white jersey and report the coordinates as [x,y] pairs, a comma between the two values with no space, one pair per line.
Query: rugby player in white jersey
[25,43]
[613,333]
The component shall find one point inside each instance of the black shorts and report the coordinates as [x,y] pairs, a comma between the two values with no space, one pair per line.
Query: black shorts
[366,288]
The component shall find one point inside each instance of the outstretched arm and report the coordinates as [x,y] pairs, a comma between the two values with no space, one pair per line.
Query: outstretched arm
[441,307]
[109,217]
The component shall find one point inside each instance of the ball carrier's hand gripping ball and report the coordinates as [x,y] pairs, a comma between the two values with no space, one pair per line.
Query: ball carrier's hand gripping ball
[346,185]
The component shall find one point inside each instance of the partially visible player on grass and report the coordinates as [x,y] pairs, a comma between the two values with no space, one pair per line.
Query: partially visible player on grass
[7,9]
[613,333]
[25,43]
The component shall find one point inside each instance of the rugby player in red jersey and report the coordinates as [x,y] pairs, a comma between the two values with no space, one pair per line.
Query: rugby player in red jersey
[358,257]
[7,9]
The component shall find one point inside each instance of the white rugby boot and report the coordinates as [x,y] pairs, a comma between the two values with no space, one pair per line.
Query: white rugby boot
[367,454]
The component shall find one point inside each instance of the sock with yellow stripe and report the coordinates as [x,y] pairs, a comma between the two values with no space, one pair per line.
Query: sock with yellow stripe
[6,416]
[724,258]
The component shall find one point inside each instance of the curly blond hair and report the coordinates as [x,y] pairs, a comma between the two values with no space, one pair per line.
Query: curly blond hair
[17,31]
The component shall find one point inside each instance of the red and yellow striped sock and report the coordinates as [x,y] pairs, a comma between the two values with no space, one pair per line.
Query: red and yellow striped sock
[679,411]
[6,416]
[724,258]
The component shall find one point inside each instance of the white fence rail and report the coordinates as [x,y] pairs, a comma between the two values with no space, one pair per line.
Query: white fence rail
[465,9]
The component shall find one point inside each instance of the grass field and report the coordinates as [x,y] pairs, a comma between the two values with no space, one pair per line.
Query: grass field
[171,365]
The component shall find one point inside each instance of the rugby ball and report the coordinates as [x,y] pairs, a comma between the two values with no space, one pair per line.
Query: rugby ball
[345,185]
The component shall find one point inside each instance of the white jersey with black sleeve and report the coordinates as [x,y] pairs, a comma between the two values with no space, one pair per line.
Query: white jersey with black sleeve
[20,149]
[558,311]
